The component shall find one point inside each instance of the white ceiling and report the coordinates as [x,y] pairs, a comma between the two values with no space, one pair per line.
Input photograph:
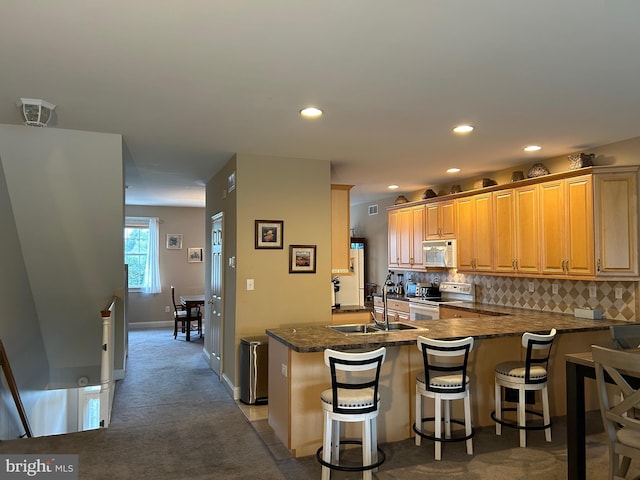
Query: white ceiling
[189,83]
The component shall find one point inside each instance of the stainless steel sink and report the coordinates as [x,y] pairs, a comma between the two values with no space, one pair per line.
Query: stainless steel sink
[356,329]
[369,328]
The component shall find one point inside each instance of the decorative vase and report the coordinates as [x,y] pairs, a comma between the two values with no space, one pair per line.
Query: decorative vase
[581,160]
[517,176]
[428,193]
[537,170]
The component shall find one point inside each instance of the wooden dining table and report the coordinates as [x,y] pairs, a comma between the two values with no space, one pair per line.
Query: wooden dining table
[579,366]
[189,302]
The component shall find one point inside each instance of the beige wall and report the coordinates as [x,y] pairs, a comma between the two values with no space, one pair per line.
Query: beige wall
[188,278]
[297,192]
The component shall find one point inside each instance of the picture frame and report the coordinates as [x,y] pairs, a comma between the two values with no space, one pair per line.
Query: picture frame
[174,241]
[194,255]
[302,258]
[269,234]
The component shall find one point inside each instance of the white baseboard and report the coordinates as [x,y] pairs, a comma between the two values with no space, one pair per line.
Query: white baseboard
[235,391]
[142,325]
[118,374]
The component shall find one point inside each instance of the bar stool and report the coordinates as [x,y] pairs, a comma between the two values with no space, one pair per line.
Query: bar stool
[521,378]
[353,397]
[444,379]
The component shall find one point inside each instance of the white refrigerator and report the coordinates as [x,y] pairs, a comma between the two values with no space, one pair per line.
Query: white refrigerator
[352,286]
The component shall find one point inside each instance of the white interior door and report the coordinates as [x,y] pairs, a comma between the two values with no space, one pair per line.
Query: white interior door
[216,301]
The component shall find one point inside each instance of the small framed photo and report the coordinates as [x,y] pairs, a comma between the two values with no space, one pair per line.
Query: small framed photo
[302,259]
[269,233]
[194,255]
[174,241]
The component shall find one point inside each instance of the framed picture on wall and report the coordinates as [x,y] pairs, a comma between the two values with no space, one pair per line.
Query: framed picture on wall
[302,259]
[174,241]
[269,233]
[194,255]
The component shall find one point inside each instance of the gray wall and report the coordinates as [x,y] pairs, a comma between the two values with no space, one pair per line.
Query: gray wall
[66,193]
[145,309]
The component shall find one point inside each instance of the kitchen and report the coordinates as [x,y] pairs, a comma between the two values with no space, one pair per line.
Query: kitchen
[473,296]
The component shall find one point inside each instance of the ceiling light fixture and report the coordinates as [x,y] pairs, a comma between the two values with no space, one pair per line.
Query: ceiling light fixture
[393,187]
[453,170]
[35,112]
[532,148]
[463,129]
[311,112]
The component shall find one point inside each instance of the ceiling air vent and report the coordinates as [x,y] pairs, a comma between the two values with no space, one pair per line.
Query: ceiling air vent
[373,209]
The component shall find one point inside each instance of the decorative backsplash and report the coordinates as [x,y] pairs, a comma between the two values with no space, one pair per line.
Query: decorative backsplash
[514,292]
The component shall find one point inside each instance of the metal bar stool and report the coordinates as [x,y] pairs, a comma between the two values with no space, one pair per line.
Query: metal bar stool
[444,379]
[353,397]
[519,378]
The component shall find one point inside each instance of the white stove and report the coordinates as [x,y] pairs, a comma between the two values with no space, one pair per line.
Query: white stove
[428,308]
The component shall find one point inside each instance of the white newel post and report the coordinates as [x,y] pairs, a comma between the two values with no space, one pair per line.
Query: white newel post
[105,369]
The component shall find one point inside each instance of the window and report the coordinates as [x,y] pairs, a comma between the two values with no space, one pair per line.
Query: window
[141,246]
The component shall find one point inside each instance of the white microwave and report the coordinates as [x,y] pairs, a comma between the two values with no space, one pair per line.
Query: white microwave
[439,254]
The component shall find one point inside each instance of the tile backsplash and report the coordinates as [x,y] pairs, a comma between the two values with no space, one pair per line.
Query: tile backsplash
[514,292]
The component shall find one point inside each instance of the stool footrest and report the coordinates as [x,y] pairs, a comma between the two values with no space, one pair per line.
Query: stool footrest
[515,425]
[457,438]
[351,468]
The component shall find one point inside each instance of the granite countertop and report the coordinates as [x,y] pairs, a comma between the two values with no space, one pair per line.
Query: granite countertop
[351,309]
[507,322]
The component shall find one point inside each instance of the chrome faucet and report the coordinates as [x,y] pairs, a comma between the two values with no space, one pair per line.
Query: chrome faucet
[385,315]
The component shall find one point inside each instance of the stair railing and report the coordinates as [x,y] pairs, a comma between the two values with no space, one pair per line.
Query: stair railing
[8,375]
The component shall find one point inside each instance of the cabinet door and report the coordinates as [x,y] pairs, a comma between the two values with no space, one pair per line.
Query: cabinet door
[417,232]
[466,246]
[432,222]
[526,223]
[579,226]
[616,214]
[483,234]
[448,222]
[405,223]
[552,213]
[504,231]
[394,233]
[340,223]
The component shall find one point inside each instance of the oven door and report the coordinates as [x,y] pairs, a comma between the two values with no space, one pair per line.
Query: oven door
[421,311]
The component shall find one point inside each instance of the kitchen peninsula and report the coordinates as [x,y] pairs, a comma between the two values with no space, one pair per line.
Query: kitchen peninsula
[297,373]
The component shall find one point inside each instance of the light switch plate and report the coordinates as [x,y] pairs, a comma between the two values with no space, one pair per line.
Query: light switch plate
[250,285]
[531,287]
[592,291]
[554,289]
[618,292]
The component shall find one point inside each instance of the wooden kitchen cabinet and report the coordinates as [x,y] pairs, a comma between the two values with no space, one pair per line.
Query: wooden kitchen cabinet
[566,222]
[475,235]
[616,221]
[406,232]
[397,310]
[516,240]
[340,228]
[440,220]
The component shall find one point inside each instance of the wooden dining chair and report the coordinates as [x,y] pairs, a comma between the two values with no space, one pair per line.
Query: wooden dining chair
[619,413]
[625,336]
[180,315]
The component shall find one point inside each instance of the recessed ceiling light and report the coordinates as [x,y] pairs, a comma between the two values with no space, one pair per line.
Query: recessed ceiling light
[311,112]
[463,129]
[453,170]
[393,187]
[532,148]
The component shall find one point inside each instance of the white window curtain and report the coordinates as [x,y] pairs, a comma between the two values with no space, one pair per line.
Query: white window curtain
[152,270]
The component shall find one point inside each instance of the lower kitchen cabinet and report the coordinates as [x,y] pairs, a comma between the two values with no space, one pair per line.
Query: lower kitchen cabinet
[397,310]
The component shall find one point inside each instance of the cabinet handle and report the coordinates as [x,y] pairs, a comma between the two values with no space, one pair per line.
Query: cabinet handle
[598,265]
[513,264]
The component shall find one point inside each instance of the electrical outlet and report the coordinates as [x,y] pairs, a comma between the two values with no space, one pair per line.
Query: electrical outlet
[250,284]
[592,291]
[618,292]
[283,369]
[167,309]
[531,287]
[554,289]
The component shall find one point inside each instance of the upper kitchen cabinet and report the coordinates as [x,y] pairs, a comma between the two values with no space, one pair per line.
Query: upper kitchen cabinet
[440,220]
[406,232]
[616,216]
[475,236]
[516,240]
[566,223]
[340,228]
